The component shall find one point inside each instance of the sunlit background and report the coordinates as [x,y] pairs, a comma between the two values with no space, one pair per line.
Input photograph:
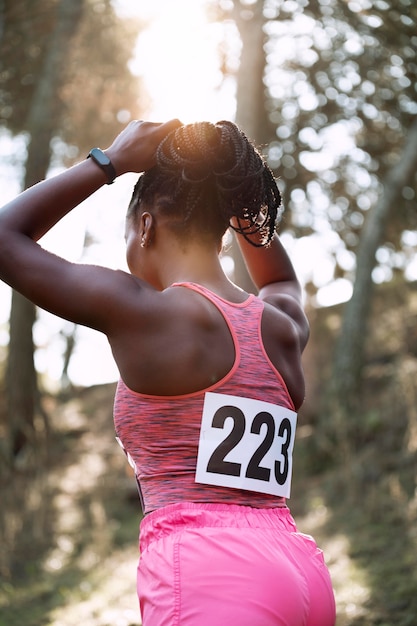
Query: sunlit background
[178,60]
[177,56]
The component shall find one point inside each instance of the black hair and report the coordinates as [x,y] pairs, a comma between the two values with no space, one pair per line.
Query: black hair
[205,174]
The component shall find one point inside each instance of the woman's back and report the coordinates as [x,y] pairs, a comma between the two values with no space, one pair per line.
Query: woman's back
[184,344]
[162,433]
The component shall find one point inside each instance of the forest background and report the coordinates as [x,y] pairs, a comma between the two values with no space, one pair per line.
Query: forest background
[328,90]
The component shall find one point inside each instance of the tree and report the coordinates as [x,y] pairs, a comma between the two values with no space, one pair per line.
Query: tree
[358,72]
[250,93]
[250,97]
[340,93]
[349,355]
[250,88]
[340,81]
[39,90]
[20,373]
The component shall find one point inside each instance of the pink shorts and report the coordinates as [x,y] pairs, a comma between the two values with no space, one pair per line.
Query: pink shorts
[230,565]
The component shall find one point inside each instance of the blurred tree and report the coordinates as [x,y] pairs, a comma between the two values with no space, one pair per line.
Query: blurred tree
[341,90]
[250,89]
[340,93]
[350,348]
[21,387]
[385,105]
[250,97]
[56,85]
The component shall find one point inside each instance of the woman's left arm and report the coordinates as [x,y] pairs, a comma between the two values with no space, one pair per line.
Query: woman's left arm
[273,274]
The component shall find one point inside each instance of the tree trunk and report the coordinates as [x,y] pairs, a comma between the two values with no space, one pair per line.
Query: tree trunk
[20,375]
[250,110]
[22,389]
[349,354]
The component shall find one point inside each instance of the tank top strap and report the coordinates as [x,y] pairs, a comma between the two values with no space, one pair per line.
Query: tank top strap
[243,319]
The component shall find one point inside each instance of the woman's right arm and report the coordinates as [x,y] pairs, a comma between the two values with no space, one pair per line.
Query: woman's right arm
[84,294]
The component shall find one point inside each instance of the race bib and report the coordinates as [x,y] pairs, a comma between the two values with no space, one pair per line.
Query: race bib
[246,444]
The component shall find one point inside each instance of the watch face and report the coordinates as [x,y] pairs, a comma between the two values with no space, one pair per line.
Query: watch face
[99,156]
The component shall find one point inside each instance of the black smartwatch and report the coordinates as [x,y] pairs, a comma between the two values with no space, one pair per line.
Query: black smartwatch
[104,162]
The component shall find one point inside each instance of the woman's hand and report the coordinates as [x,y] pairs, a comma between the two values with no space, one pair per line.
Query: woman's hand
[134,148]
[75,292]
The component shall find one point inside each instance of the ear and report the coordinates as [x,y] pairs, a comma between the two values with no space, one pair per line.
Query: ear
[146,230]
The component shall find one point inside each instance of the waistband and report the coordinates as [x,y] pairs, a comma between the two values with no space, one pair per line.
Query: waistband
[182,515]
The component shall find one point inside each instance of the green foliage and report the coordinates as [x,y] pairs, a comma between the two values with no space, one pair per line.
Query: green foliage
[340,94]
[26,28]
[98,94]
[349,66]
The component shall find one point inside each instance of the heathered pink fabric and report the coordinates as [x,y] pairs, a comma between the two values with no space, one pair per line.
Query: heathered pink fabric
[161,433]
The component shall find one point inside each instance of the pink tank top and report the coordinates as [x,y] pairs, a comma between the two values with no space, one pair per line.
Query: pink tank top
[160,434]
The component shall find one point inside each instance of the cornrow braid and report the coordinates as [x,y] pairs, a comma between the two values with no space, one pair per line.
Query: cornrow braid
[205,175]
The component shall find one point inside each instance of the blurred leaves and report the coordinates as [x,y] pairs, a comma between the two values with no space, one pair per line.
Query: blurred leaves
[340,93]
[99,94]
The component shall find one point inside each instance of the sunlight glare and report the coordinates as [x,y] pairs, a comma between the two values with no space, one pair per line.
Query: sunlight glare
[177,57]
[340,290]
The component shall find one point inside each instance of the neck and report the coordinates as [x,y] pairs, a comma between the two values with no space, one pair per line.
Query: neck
[201,266]
[194,261]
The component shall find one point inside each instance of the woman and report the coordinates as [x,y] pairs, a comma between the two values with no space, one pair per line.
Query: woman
[210,376]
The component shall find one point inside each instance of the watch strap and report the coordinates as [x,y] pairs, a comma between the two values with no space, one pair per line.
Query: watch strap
[103,161]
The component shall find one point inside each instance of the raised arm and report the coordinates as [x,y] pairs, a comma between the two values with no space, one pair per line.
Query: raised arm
[72,291]
[38,208]
[274,276]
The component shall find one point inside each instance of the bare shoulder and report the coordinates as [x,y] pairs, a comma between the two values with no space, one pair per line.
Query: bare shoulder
[175,343]
[289,313]
[284,340]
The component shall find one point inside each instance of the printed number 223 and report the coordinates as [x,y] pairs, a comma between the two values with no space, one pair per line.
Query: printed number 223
[217,463]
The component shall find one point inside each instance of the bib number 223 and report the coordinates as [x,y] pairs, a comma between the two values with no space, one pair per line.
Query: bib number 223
[246,444]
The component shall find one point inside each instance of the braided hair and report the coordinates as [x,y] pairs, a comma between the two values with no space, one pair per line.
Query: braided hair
[206,174]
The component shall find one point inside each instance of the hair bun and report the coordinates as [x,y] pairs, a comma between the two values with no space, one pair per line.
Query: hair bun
[217,161]
[191,151]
